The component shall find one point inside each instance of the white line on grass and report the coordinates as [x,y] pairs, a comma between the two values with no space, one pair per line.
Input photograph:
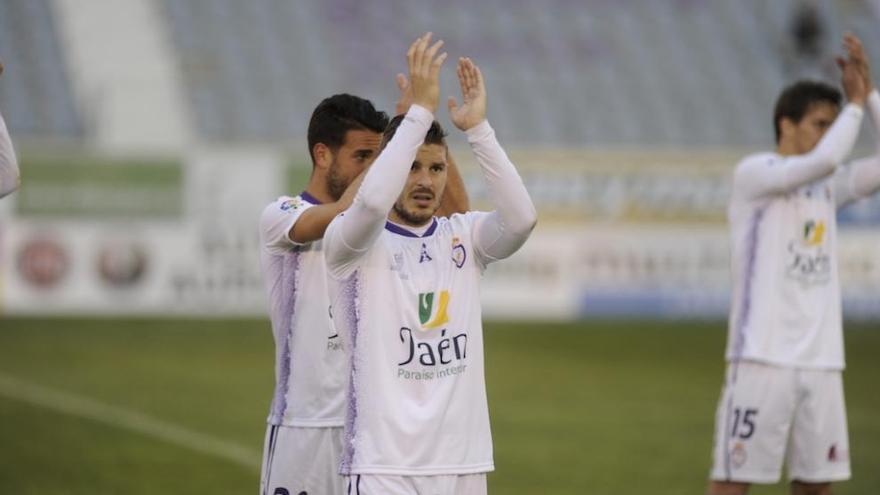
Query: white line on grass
[76,405]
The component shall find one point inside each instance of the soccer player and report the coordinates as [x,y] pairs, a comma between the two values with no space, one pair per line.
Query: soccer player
[405,295]
[783,394]
[304,437]
[9,175]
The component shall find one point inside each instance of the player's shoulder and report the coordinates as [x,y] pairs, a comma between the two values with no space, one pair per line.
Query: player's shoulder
[759,159]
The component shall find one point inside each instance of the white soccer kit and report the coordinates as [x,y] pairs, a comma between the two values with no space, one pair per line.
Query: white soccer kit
[785,326]
[407,302]
[310,364]
[8,164]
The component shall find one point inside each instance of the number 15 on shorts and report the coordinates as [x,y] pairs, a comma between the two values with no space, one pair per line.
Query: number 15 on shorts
[743,423]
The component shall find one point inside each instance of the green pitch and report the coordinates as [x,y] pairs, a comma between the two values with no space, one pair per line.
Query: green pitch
[178,407]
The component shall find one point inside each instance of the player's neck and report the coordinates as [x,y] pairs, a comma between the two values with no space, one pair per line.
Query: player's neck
[394,217]
[787,148]
[318,190]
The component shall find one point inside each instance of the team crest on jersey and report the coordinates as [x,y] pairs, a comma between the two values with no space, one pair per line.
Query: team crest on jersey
[291,204]
[459,255]
[432,313]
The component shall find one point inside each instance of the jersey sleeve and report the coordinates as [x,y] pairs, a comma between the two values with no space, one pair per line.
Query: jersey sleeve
[755,178]
[351,234]
[861,178]
[277,220]
[500,233]
[9,174]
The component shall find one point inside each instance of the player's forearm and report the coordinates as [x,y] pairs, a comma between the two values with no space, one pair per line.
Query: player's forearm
[384,181]
[9,174]
[757,179]
[831,151]
[455,197]
[515,216]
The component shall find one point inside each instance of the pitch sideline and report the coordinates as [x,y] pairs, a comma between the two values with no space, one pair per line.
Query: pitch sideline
[84,407]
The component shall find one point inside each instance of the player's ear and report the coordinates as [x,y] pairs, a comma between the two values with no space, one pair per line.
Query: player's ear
[787,128]
[323,156]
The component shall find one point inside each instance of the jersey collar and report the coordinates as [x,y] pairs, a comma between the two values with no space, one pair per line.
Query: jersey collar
[309,198]
[397,229]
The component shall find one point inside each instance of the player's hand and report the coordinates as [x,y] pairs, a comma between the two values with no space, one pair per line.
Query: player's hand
[1,68]
[473,94]
[405,98]
[856,53]
[424,71]
[853,81]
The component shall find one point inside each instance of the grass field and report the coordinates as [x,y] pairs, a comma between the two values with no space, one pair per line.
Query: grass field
[178,407]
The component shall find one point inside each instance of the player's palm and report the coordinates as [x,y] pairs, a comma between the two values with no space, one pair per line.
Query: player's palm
[473,92]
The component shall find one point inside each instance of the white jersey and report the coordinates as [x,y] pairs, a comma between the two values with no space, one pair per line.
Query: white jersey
[408,304]
[786,306]
[310,364]
[9,174]
[412,319]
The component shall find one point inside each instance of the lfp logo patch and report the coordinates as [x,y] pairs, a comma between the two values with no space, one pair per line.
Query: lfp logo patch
[433,315]
[291,204]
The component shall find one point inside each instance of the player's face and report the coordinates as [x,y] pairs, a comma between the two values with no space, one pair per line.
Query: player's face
[353,157]
[807,133]
[420,198]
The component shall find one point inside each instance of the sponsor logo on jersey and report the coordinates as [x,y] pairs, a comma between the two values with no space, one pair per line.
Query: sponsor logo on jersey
[427,353]
[291,204]
[809,261]
[433,316]
[814,233]
[424,255]
[459,255]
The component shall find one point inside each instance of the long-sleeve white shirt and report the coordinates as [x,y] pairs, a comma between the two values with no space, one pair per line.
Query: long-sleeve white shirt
[785,307]
[9,174]
[407,305]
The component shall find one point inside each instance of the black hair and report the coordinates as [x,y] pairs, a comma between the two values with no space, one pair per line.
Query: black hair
[435,135]
[337,115]
[795,100]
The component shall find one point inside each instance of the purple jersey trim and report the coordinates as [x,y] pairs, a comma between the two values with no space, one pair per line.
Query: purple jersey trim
[351,323]
[396,229]
[745,309]
[289,271]
[309,198]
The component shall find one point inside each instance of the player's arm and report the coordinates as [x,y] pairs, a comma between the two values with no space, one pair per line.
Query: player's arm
[860,178]
[311,225]
[500,233]
[10,178]
[455,197]
[351,234]
[757,178]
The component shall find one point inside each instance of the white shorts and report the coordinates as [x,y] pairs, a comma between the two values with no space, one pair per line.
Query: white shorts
[768,414]
[381,484]
[302,460]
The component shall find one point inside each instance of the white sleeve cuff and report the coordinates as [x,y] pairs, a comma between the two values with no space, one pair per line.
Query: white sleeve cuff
[479,132]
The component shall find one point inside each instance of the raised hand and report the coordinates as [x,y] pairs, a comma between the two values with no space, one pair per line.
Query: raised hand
[473,93]
[405,98]
[852,79]
[424,71]
[856,54]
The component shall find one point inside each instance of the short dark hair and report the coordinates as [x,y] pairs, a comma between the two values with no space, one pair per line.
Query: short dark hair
[435,135]
[337,115]
[795,100]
